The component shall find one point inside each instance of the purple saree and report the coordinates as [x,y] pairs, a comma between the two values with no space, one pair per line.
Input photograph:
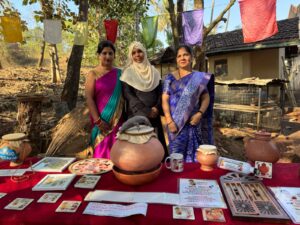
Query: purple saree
[109,102]
[184,95]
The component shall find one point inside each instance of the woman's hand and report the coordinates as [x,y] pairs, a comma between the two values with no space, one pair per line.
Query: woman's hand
[196,118]
[153,113]
[172,127]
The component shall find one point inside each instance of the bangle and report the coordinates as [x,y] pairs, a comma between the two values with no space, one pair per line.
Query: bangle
[200,112]
[98,121]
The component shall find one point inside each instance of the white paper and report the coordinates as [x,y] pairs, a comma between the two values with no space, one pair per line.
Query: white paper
[52,31]
[101,209]
[13,172]
[201,193]
[139,197]
[289,199]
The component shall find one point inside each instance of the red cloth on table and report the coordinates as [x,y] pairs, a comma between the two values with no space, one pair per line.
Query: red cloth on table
[157,214]
[111,27]
[258,19]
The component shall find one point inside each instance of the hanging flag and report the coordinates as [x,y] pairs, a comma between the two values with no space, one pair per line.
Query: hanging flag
[52,31]
[192,24]
[111,27]
[81,33]
[149,25]
[258,19]
[11,29]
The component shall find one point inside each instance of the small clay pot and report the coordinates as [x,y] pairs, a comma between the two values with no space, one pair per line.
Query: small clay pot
[207,156]
[261,148]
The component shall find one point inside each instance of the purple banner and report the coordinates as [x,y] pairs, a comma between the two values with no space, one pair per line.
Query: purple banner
[192,24]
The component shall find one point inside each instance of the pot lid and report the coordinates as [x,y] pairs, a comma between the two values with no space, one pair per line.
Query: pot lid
[14,137]
[207,149]
[139,129]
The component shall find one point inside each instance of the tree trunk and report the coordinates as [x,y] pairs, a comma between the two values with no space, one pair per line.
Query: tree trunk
[1,67]
[58,76]
[29,118]
[53,69]
[171,10]
[70,91]
[41,59]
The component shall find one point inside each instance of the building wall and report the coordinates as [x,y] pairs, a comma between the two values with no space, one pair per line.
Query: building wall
[260,63]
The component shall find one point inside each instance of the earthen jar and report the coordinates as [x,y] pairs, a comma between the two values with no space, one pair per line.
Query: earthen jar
[207,156]
[261,148]
[15,148]
[134,157]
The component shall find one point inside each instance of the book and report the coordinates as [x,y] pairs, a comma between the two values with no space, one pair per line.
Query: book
[54,182]
[52,164]
[68,206]
[87,181]
[19,204]
[49,197]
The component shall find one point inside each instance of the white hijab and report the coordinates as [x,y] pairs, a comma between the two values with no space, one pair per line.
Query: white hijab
[142,76]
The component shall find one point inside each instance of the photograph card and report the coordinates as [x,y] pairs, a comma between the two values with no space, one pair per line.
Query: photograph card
[50,197]
[19,204]
[53,164]
[263,169]
[54,182]
[68,206]
[213,214]
[183,212]
[87,181]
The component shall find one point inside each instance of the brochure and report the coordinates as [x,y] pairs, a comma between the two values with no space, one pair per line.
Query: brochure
[201,193]
[52,164]
[289,199]
[101,209]
[54,182]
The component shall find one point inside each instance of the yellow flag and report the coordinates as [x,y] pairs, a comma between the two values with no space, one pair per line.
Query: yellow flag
[81,33]
[11,29]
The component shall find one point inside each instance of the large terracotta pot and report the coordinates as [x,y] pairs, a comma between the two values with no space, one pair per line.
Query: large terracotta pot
[15,148]
[137,153]
[137,157]
[261,148]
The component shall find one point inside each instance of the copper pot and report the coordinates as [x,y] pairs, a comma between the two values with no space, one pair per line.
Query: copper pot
[261,148]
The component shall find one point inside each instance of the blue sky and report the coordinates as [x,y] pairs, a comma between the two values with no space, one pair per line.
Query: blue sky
[282,9]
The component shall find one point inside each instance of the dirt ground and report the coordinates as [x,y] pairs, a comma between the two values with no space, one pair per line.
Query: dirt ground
[20,80]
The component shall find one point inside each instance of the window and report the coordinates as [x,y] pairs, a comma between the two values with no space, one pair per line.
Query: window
[221,67]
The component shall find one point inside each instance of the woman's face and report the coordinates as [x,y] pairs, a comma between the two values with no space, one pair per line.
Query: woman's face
[138,55]
[183,59]
[106,57]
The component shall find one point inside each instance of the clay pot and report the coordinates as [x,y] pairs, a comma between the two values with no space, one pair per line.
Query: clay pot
[207,156]
[15,148]
[261,148]
[137,157]
[136,178]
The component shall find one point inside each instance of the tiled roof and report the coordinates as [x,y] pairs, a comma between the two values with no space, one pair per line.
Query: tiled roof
[288,34]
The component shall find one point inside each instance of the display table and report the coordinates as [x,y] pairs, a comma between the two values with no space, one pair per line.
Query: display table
[44,213]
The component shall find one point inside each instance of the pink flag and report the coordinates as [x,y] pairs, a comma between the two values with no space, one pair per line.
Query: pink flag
[258,19]
[111,27]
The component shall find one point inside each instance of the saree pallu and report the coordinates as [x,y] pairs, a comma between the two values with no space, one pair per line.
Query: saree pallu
[184,100]
[109,102]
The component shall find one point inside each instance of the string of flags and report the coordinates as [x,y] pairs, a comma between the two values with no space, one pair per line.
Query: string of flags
[258,23]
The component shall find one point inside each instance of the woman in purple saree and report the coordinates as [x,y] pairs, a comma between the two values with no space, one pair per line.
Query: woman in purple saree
[187,106]
[105,102]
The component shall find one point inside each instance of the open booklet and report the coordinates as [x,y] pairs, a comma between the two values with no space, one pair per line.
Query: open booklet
[201,193]
[289,199]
